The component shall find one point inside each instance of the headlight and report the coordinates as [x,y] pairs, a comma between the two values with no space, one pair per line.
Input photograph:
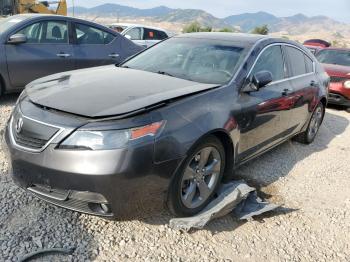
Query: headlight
[347,84]
[109,139]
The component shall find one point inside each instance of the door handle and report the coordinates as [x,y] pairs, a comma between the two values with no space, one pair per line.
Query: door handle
[113,55]
[286,92]
[64,55]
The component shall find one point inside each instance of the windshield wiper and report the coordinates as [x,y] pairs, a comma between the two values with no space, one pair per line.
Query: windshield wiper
[165,73]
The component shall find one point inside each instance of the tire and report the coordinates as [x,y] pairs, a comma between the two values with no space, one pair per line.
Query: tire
[347,109]
[192,189]
[310,133]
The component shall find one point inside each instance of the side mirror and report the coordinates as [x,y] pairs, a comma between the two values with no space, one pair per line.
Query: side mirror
[17,39]
[128,37]
[259,80]
[262,78]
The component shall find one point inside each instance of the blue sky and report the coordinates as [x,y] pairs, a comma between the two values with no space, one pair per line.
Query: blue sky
[337,9]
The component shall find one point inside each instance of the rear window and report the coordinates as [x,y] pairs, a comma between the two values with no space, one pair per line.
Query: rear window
[297,61]
[336,57]
[151,34]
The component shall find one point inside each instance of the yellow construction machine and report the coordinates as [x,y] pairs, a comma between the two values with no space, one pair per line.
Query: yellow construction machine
[14,7]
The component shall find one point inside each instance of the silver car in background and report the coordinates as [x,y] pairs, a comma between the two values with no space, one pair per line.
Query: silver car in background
[140,34]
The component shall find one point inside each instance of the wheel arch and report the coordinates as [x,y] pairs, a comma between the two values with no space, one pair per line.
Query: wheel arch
[2,85]
[323,100]
[228,145]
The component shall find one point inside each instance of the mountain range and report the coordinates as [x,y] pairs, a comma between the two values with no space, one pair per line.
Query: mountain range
[298,24]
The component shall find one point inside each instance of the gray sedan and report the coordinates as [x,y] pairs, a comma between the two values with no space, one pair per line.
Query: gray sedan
[33,46]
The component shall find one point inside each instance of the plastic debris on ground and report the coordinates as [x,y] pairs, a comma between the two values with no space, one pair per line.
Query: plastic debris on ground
[236,198]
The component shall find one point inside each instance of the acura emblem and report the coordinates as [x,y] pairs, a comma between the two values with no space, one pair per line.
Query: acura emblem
[19,125]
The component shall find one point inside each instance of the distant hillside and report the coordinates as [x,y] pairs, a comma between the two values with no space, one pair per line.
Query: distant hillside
[248,21]
[120,11]
[298,25]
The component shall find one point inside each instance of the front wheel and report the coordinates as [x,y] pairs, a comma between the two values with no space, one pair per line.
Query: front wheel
[309,135]
[195,183]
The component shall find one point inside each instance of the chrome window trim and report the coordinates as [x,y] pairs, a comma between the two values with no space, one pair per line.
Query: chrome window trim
[284,79]
[60,130]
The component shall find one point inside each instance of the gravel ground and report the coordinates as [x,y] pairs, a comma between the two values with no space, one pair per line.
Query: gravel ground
[312,181]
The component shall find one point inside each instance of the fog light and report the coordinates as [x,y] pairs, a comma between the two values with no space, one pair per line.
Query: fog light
[105,208]
[347,84]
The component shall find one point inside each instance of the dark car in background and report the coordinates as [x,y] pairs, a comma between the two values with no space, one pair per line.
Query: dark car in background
[33,46]
[172,122]
[336,62]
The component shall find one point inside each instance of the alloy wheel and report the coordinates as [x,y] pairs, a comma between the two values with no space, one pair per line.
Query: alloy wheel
[200,177]
[315,122]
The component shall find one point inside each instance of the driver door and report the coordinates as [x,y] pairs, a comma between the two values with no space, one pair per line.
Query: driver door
[47,51]
[265,111]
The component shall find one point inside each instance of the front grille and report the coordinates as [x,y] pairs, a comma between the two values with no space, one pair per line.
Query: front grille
[29,133]
[338,79]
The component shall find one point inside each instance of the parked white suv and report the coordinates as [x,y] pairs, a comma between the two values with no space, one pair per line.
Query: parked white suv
[140,34]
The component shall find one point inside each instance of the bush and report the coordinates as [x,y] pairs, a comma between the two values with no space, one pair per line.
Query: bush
[261,30]
[196,27]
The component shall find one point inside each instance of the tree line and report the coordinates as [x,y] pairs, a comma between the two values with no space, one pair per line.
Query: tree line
[197,27]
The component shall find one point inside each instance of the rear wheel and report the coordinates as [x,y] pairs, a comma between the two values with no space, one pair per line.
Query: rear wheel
[197,180]
[309,135]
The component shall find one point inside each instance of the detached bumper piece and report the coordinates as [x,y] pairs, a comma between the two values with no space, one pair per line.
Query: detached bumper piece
[85,202]
[338,99]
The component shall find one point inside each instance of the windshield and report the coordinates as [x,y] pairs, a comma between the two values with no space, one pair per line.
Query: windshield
[336,57]
[199,60]
[8,22]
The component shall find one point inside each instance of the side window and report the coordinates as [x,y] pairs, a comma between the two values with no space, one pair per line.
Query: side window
[48,32]
[297,61]
[88,35]
[55,32]
[135,33]
[271,60]
[309,64]
[32,32]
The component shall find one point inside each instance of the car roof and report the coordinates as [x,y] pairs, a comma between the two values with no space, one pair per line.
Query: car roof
[137,25]
[234,37]
[68,18]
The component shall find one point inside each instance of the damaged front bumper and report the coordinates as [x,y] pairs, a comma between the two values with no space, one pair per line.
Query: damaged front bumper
[109,183]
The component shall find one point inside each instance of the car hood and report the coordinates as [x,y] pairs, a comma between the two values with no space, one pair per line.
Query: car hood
[337,70]
[108,90]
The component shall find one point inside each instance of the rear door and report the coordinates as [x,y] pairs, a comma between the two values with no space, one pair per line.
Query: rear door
[265,111]
[47,51]
[305,85]
[95,47]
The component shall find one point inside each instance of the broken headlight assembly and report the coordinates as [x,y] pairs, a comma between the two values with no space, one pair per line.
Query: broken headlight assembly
[109,139]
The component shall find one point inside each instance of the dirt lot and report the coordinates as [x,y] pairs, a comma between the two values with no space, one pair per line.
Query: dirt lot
[314,181]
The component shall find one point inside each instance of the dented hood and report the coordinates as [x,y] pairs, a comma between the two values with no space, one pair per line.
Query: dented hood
[108,90]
